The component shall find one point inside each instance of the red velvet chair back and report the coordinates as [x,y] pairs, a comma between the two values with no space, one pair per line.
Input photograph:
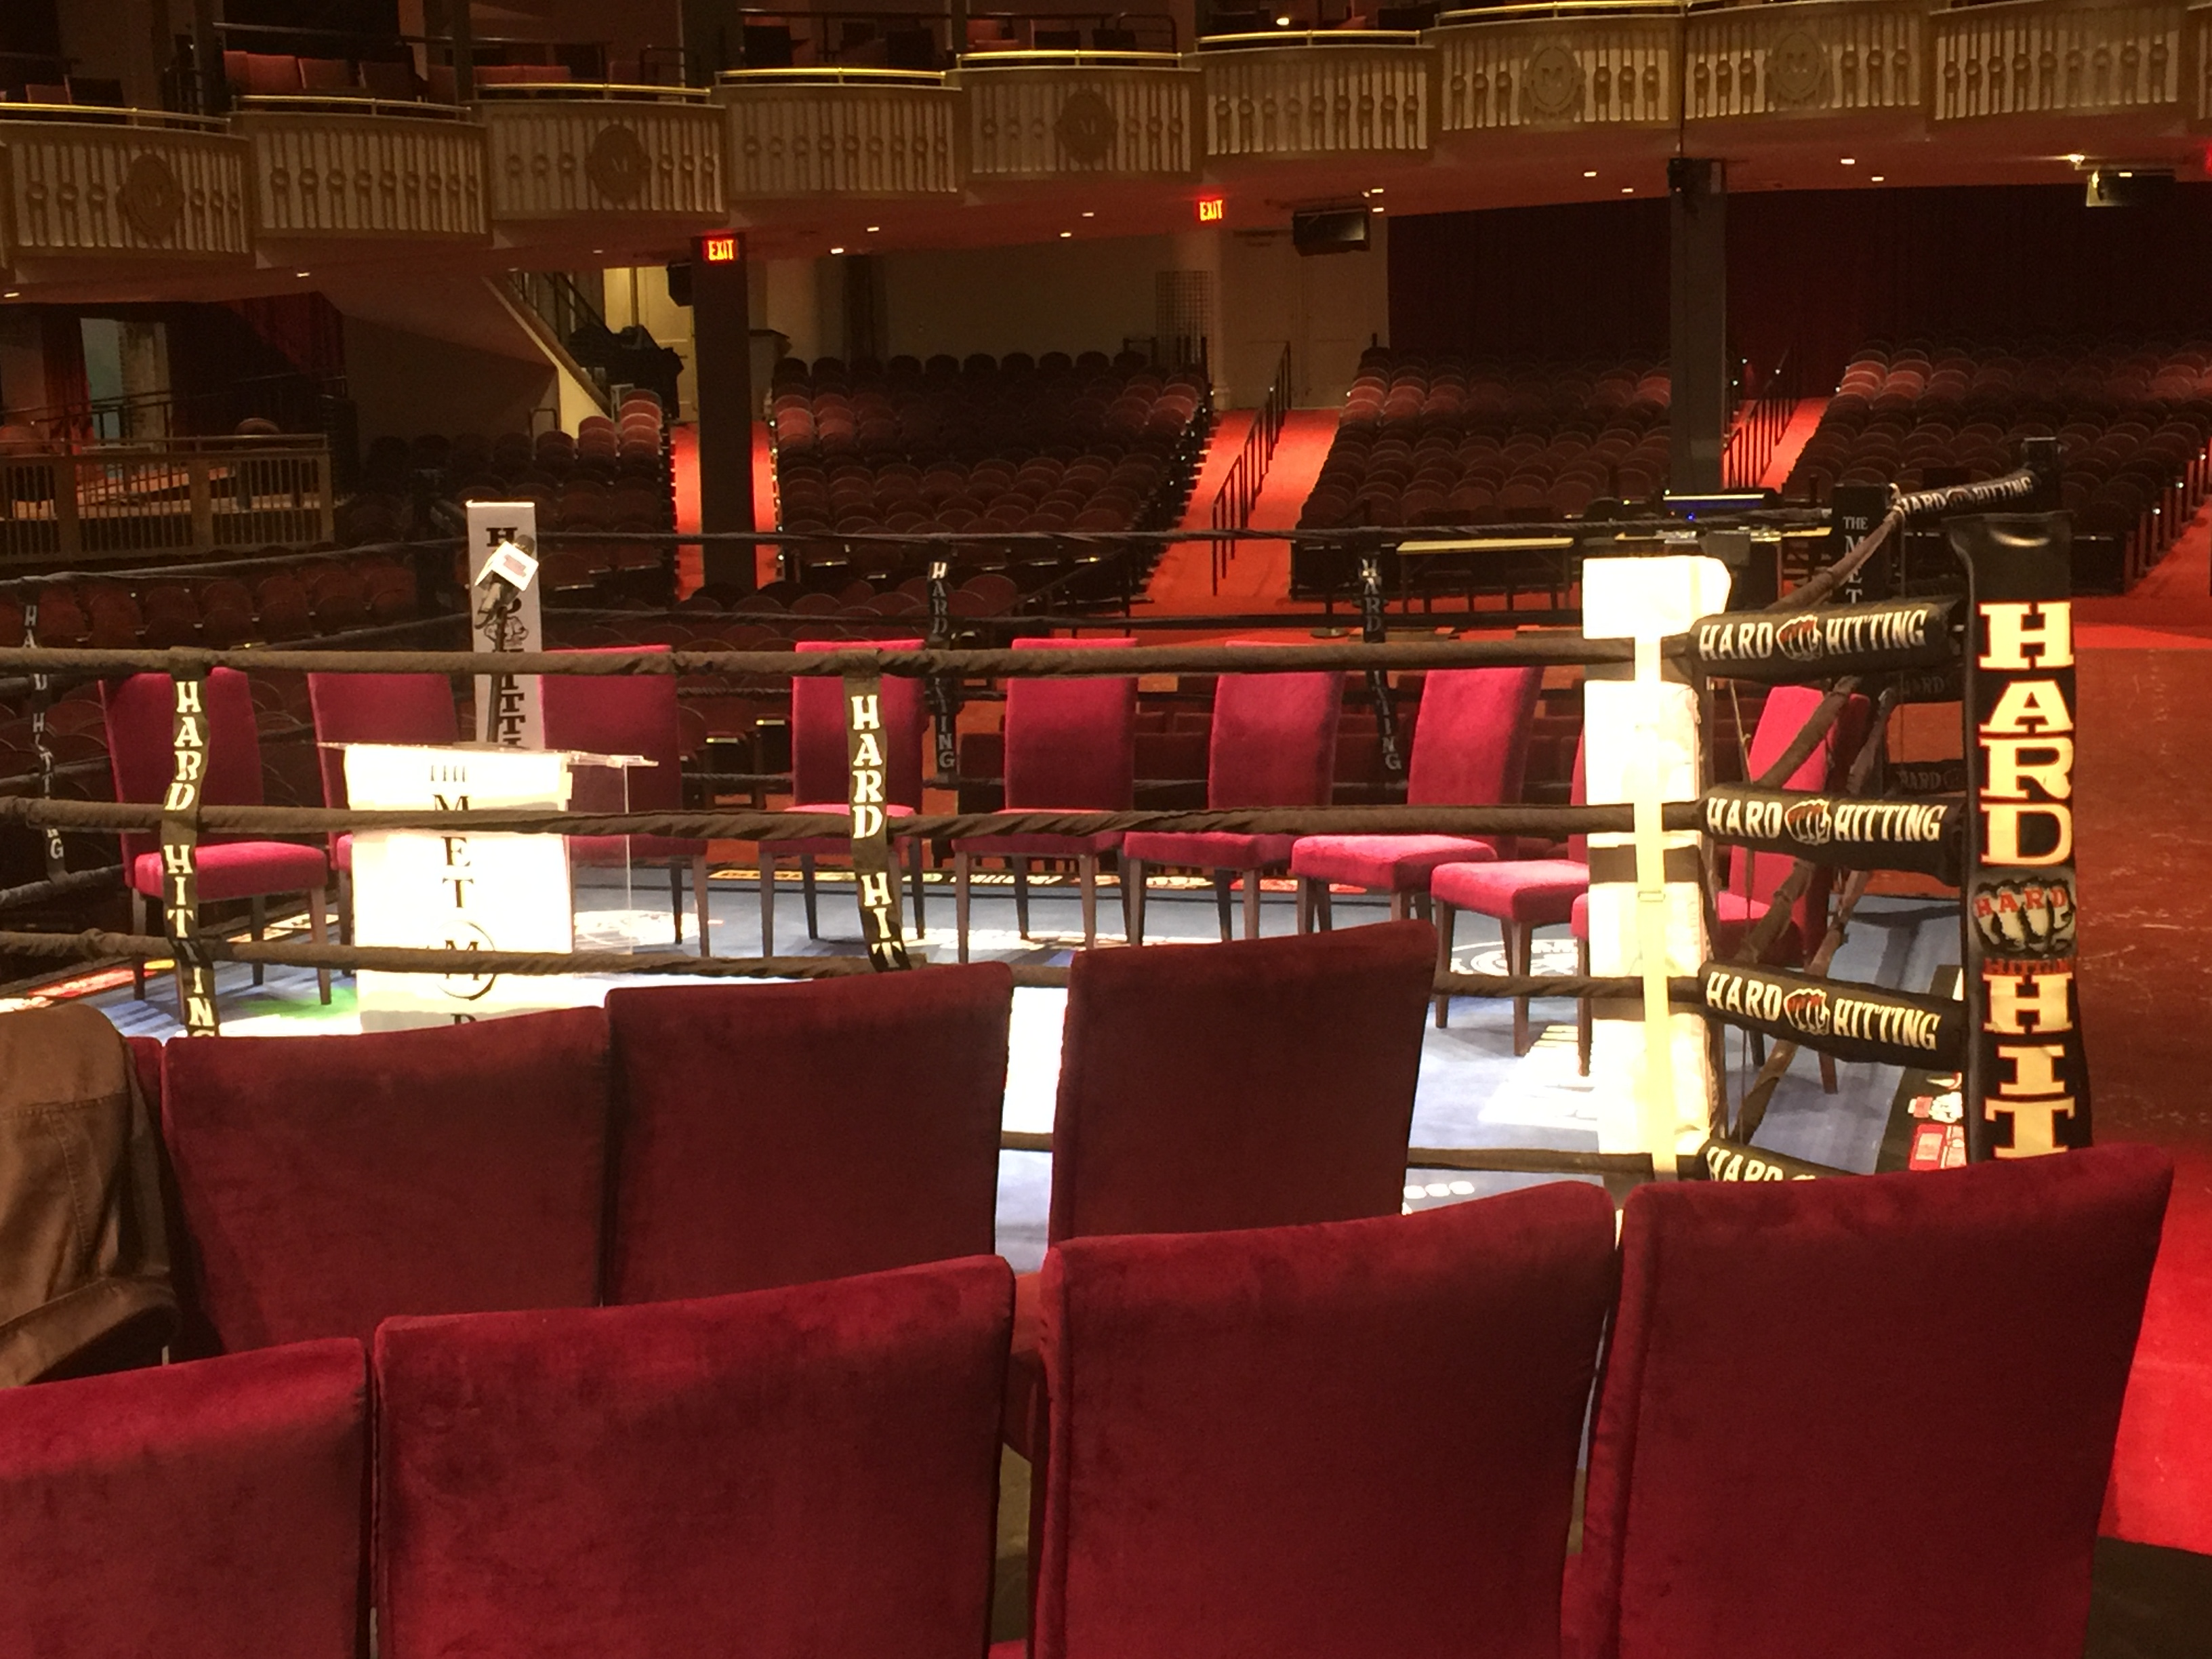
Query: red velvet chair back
[859,1132]
[376,708]
[1471,741]
[819,771]
[812,1470]
[1756,875]
[619,714]
[1274,740]
[142,752]
[197,1511]
[1071,743]
[1865,1416]
[326,1183]
[1260,1084]
[1316,1441]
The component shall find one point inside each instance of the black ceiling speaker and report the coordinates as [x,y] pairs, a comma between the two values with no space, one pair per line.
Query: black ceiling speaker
[1330,230]
[2129,186]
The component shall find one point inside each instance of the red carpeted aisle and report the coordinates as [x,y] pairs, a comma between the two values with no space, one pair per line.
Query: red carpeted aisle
[1258,575]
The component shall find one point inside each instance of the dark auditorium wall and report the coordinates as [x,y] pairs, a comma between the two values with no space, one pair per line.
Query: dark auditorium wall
[1817,271]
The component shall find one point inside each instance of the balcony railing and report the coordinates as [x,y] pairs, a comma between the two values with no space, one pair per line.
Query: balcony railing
[843,132]
[1054,114]
[1329,92]
[85,182]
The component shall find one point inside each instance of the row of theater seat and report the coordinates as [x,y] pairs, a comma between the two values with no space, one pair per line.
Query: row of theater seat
[292,602]
[612,474]
[1278,1418]
[1013,445]
[2132,421]
[1441,440]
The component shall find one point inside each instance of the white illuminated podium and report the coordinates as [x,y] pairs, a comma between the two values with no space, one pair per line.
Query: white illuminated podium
[416,889]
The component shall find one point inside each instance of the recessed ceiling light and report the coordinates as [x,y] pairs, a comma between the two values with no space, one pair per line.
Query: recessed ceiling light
[1849,161]
[13,294]
[1088,214]
[872,229]
[1065,234]
[1589,172]
[1876,178]
[836,250]
[1375,190]
[303,273]
[2077,160]
[1628,190]
[1283,23]
[598,250]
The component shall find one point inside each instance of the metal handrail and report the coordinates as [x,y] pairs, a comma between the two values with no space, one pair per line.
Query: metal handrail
[112,115]
[1240,491]
[344,103]
[1310,37]
[1760,420]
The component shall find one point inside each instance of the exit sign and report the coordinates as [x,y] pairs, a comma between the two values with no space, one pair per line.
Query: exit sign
[719,250]
[1212,209]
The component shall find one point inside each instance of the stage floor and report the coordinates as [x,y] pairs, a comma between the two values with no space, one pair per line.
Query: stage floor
[1472,1092]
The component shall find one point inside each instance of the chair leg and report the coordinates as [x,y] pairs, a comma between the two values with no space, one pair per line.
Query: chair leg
[675,896]
[914,852]
[138,928]
[1421,907]
[1828,1073]
[1021,896]
[1324,909]
[699,901]
[345,907]
[1221,881]
[960,863]
[1446,917]
[1401,909]
[1520,954]
[319,930]
[806,885]
[1133,891]
[1251,904]
[258,909]
[1305,905]
[1086,868]
[768,898]
[1582,1011]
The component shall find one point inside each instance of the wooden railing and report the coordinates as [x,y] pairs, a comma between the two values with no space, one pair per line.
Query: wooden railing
[1608,70]
[178,496]
[561,150]
[83,182]
[2032,58]
[356,167]
[842,132]
[1810,57]
[1353,91]
[1052,114]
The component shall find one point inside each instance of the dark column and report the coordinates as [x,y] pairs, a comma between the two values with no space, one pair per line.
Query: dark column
[722,372]
[707,45]
[1697,345]
[214,91]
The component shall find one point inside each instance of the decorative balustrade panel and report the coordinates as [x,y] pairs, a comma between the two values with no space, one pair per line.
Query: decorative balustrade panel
[337,174]
[2031,59]
[1048,122]
[1816,58]
[800,139]
[1556,73]
[552,157]
[85,188]
[1318,100]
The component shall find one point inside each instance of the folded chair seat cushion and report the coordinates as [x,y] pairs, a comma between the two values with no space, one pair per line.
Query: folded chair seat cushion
[1040,847]
[242,869]
[1217,849]
[1392,864]
[817,846]
[1531,892]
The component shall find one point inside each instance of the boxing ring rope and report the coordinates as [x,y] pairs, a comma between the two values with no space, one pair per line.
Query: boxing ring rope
[1803,640]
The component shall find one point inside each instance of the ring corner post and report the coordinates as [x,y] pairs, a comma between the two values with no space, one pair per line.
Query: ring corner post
[2025,1088]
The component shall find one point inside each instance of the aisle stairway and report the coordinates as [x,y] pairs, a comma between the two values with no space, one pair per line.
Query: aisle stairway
[1258,575]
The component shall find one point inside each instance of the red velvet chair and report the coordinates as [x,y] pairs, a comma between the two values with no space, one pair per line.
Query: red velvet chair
[326,1183]
[1273,743]
[821,776]
[1264,1082]
[1865,1416]
[1470,745]
[1314,1442]
[407,709]
[141,714]
[1521,894]
[628,715]
[812,1470]
[197,1511]
[860,1133]
[1071,746]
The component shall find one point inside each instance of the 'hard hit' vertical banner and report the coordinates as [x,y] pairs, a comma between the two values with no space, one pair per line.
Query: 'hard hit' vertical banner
[180,880]
[2027,1086]
[873,874]
[504,616]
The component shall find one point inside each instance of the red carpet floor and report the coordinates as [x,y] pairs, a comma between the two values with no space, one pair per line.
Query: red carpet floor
[1258,575]
[684,444]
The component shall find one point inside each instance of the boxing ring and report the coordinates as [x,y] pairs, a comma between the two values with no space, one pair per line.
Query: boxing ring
[1657,639]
